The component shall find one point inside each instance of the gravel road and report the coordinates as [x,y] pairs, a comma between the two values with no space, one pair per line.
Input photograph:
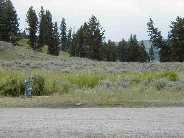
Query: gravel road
[90,122]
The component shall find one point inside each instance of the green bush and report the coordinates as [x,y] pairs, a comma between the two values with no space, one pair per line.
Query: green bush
[12,87]
[171,75]
[39,86]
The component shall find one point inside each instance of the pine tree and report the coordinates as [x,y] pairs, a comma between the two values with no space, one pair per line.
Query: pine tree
[155,35]
[176,39]
[111,51]
[177,29]
[88,40]
[52,35]
[32,21]
[156,39]
[55,41]
[63,35]
[73,48]
[56,34]
[95,37]
[133,40]
[69,39]
[8,21]
[79,45]
[2,24]
[42,28]
[84,47]
[123,51]
[136,52]
[48,28]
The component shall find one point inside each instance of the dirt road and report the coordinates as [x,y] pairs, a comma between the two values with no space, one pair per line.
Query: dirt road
[90,122]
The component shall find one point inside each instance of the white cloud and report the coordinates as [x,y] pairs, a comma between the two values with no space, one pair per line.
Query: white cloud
[120,18]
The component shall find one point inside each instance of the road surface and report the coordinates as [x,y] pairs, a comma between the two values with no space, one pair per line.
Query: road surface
[90,122]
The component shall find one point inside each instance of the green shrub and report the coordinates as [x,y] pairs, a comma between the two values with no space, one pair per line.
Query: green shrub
[39,86]
[12,87]
[171,75]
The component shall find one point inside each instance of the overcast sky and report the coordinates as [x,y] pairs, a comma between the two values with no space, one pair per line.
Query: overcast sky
[119,18]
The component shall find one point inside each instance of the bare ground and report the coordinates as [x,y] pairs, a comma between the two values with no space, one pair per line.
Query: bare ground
[91,122]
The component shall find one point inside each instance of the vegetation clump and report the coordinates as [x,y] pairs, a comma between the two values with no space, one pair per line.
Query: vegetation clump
[12,86]
[85,79]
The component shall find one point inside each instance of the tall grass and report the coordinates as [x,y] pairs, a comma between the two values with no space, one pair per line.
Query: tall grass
[49,83]
[136,76]
[85,79]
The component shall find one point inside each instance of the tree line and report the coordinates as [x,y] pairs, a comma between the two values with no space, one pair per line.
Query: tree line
[89,40]
[172,48]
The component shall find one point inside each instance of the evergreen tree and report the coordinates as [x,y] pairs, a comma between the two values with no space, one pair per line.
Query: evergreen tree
[95,37]
[52,35]
[2,22]
[74,41]
[111,51]
[123,51]
[48,28]
[32,21]
[177,39]
[88,40]
[156,39]
[136,52]
[155,35]
[8,21]
[63,35]
[83,41]
[48,33]
[56,34]
[177,30]
[69,38]
[42,28]
[133,40]
[166,53]
[54,47]
[79,45]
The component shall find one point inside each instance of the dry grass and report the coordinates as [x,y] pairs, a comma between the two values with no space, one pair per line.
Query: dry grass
[96,100]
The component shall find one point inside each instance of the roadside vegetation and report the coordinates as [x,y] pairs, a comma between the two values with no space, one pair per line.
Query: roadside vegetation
[126,89]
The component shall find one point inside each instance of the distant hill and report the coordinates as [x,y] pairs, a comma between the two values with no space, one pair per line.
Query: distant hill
[22,57]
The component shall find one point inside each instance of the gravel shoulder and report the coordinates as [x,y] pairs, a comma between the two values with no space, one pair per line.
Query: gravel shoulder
[91,122]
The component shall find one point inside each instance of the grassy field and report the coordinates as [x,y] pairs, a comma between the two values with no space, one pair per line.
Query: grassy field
[65,81]
[92,89]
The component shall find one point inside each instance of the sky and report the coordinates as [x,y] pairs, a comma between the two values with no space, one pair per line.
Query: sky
[119,18]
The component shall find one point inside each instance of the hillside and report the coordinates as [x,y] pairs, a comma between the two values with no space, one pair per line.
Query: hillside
[22,57]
